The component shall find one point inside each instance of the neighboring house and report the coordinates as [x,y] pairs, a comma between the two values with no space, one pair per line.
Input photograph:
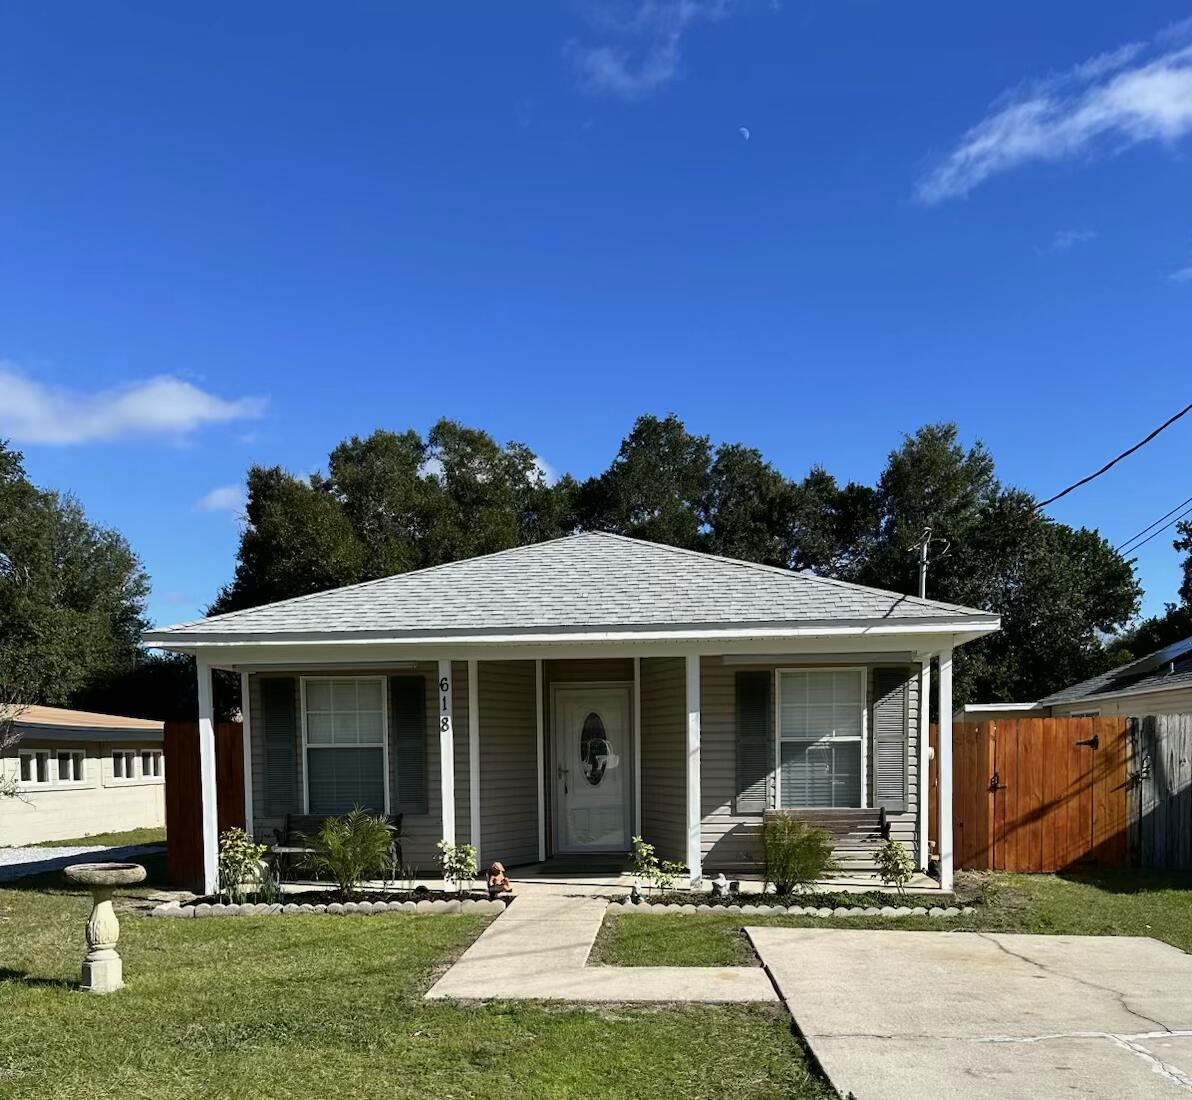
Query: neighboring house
[559,698]
[80,773]
[1160,683]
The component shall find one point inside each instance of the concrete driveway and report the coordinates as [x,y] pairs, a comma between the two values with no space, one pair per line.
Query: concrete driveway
[927,1015]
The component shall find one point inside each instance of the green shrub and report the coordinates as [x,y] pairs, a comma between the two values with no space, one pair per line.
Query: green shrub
[240,868]
[794,854]
[659,873]
[458,862]
[894,863]
[350,849]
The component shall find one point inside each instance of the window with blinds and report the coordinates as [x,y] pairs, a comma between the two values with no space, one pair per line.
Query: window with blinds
[821,745]
[345,744]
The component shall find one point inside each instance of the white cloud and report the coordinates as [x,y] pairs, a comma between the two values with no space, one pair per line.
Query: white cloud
[646,51]
[1141,92]
[1069,238]
[224,498]
[1184,275]
[549,474]
[33,412]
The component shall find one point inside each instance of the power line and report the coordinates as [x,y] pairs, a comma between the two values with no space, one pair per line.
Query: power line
[1114,462]
[1139,546]
[1139,534]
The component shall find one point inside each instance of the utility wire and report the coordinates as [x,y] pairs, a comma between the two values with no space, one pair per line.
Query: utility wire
[1109,465]
[1119,549]
[1140,545]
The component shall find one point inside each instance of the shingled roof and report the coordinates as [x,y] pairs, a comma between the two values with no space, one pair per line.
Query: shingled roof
[584,583]
[1167,669]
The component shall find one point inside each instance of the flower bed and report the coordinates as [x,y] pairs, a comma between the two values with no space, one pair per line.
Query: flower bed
[206,907]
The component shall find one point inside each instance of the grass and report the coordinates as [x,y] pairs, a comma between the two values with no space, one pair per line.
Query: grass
[110,840]
[1106,903]
[321,1006]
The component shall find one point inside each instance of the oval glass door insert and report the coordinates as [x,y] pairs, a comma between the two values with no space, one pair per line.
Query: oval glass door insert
[594,749]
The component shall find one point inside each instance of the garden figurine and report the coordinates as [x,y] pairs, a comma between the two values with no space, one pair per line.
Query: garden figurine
[498,881]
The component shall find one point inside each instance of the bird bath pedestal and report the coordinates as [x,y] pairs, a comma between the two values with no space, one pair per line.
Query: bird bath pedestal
[103,971]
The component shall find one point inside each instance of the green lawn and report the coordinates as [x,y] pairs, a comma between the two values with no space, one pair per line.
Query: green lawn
[331,1006]
[1106,903]
[111,840]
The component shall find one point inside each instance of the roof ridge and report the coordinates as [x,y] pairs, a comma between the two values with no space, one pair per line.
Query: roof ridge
[785,572]
[376,580]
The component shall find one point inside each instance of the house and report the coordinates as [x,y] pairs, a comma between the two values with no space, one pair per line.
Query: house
[1160,683]
[79,773]
[557,699]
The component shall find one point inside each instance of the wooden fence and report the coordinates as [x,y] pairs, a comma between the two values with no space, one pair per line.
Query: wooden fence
[1045,794]
[184,814]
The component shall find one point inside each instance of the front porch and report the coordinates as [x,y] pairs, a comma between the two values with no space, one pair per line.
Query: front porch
[552,764]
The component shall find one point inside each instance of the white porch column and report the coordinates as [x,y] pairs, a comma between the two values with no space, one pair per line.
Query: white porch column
[474,756]
[924,759]
[246,725]
[694,813]
[637,746]
[446,753]
[207,800]
[540,750]
[945,751]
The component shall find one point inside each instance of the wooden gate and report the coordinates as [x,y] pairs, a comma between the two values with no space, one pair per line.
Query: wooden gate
[184,815]
[1039,794]
[1161,795]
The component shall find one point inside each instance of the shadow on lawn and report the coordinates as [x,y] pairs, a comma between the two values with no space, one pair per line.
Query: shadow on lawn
[55,882]
[1114,881]
[22,978]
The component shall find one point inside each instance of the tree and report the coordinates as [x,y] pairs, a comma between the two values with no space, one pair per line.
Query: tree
[72,593]
[655,487]
[1175,624]
[748,509]
[391,503]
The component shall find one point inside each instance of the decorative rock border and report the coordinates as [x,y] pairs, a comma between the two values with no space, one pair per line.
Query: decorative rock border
[333,909]
[747,910]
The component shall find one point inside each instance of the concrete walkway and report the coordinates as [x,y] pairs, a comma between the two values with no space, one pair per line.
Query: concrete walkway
[939,1015]
[538,950]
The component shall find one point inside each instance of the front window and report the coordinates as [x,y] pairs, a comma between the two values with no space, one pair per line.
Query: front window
[71,766]
[821,745]
[345,745]
[35,767]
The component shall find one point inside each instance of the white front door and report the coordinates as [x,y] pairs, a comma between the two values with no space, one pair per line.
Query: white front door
[593,727]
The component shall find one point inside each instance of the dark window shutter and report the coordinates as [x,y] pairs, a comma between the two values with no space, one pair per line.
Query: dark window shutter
[407,734]
[890,721]
[279,717]
[753,741]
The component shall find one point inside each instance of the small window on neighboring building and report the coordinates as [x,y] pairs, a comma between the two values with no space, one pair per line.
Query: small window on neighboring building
[71,766]
[124,764]
[151,764]
[35,767]
[1085,714]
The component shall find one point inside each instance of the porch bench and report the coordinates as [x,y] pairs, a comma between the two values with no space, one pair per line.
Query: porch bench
[290,845]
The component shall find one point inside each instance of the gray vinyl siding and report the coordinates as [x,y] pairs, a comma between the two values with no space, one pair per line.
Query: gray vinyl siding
[508,763]
[730,840]
[663,755]
[421,832]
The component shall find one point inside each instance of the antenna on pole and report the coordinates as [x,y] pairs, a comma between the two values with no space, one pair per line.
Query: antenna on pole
[925,559]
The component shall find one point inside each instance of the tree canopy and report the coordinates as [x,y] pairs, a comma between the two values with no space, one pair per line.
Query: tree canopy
[72,593]
[394,502]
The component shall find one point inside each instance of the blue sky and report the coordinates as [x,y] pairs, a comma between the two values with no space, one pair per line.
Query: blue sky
[237,234]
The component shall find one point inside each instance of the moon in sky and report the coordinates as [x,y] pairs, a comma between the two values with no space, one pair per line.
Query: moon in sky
[744,132]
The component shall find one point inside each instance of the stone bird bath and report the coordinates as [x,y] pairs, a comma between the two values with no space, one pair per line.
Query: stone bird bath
[103,970]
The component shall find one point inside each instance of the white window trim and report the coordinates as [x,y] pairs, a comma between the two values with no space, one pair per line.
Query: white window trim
[51,765]
[161,763]
[81,779]
[384,682]
[135,756]
[863,672]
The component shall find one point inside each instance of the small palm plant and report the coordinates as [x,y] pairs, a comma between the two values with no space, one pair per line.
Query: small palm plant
[350,849]
[795,854]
